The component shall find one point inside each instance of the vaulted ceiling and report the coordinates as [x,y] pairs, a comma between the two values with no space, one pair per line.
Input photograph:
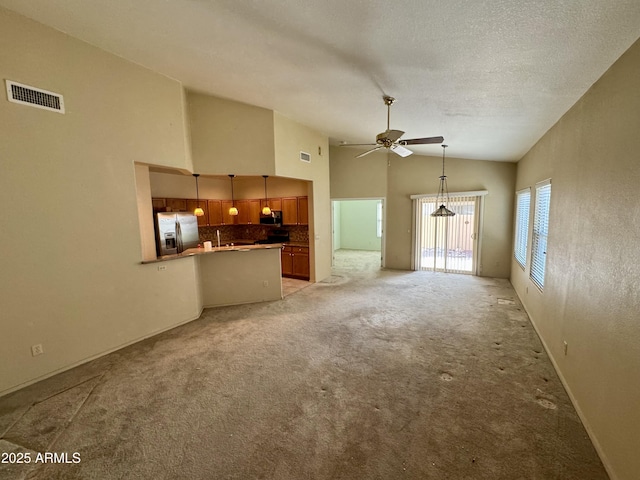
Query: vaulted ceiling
[490,76]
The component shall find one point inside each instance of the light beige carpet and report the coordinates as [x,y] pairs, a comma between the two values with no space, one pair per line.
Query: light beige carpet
[369,375]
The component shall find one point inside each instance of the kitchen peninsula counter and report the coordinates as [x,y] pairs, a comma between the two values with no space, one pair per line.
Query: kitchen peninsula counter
[190,252]
[233,275]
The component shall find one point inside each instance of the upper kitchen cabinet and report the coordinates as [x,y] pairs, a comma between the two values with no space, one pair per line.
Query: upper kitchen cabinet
[176,204]
[248,212]
[219,212]
[303,211]
[230,137]
[215,212]
[295,211]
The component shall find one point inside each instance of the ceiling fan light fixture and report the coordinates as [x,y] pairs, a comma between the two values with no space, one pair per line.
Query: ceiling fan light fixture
[443,194]
[390,139]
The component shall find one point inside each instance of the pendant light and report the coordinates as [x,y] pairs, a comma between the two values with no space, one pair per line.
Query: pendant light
[198,212]
[443,194]
[233,211]
[265,210]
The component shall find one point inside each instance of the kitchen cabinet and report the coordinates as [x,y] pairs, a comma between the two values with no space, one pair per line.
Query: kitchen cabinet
[290,211]
[274,204]
[176,204]
[295,211]
[158,204]
[286,260]
[191,206]
[303,211]
[248,212]
[295,262]
[215,212]
[227,219]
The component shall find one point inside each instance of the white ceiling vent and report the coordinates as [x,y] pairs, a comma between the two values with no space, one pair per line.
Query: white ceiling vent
[34,97]
[305,157]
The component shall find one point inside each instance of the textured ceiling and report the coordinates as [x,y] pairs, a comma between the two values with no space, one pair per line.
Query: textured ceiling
[490,76]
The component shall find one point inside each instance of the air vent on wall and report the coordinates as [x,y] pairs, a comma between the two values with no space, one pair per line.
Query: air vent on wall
[34,97]
[305,157]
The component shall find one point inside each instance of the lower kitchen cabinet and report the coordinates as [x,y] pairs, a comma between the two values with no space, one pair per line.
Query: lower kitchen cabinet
[295,262]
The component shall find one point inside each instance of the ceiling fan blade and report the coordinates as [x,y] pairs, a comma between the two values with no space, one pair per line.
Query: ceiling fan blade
[422,141]
[400,150]
[357,144]
[369,151]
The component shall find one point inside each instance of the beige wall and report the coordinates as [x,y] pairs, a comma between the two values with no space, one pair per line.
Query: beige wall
[71,278]
[230,137]
[352,177]
[291,138]
[591,297]
[250,275]
[373,176]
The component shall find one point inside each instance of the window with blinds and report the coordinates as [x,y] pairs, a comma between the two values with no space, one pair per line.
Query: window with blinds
[540,232]
[523,204]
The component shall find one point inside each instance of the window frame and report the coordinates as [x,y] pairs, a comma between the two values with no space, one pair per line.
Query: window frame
[540,233]
[521,227]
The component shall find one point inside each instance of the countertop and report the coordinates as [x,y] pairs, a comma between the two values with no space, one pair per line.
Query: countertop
[201,251]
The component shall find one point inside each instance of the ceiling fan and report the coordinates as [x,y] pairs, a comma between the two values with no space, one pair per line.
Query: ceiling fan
[390,139]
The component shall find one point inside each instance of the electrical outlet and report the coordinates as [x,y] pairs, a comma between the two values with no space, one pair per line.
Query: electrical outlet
[37,350]
[162,268]
[566,347]
[265,283]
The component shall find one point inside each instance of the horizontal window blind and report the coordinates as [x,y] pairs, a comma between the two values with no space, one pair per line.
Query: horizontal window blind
[540,233]
[523,204]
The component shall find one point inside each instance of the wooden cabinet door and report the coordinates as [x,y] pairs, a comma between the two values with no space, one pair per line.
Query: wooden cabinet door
[303,211]
[215,212]
[275,204]
[227,219]
[300,267]
[158,204]
[290,211]
[254,211]
[286,260]
[243,212]
[176,204]
[191,206]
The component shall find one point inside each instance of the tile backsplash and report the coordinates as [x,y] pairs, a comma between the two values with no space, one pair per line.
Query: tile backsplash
[236,233]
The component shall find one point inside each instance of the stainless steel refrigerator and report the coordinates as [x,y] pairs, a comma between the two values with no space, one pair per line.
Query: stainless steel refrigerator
[175,232]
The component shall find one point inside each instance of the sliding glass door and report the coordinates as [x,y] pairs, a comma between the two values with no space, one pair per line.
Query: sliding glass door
[447,244]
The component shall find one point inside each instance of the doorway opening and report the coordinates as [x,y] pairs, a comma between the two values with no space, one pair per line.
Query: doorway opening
[447,244]
[358,233]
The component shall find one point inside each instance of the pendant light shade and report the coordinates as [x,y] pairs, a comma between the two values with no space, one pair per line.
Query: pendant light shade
[265,210]
[443,194]
[233,211]
[198,212]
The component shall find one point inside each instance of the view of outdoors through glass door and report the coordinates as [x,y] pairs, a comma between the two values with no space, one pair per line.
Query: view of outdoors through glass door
[446,244]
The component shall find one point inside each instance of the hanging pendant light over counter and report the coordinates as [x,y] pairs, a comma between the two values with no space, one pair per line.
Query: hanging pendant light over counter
[443,194]
[233,210]
[198,212]
[265,210]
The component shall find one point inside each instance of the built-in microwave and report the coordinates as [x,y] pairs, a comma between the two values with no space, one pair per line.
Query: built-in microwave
[274,219]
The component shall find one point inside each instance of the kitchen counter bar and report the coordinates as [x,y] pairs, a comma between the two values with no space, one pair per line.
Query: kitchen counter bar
[236,274]
[201,251]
